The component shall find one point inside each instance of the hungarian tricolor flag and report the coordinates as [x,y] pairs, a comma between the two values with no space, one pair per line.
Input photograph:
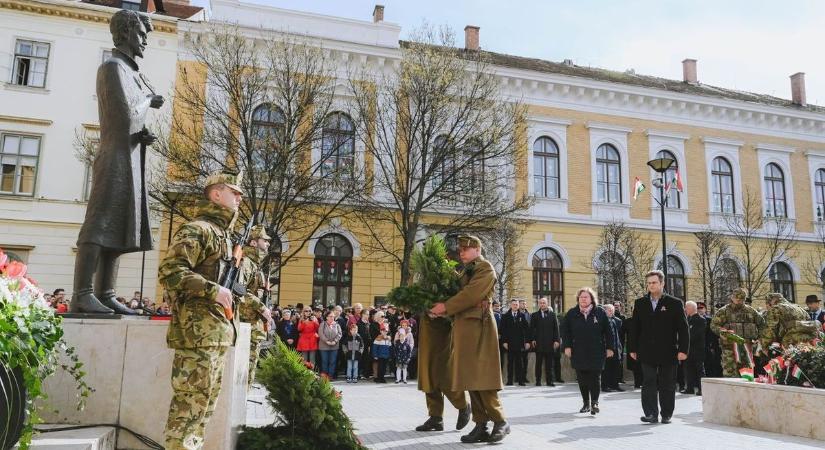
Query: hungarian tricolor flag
[638,188]
[796,372]
[746,373]
[675,182]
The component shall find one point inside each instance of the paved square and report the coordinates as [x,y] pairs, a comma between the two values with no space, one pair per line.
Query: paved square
[541,417]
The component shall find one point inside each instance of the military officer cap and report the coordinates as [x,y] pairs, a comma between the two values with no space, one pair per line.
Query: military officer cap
[259,232]
[740,293]
[468,241]
[232,181]
[774,297]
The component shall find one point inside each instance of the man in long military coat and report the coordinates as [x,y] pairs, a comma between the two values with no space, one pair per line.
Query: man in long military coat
[434,347]
[474,358]
[117,215]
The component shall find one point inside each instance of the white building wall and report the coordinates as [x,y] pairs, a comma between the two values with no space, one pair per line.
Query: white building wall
[44,227]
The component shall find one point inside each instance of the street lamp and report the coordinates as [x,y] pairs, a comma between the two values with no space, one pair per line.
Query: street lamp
[660,165]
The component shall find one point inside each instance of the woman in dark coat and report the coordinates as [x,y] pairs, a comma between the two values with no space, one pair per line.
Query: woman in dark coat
[287,330]
[587,341]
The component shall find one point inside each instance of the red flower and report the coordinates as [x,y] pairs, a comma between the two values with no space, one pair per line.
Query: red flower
[308,365]
[337,394]
[15,269]
[3,260]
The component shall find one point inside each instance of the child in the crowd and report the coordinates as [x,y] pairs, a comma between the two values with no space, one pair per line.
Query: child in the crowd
[403,352]
[381,352]
[353,346]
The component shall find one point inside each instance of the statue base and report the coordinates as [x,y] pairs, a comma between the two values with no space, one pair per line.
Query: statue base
[69,315]
[129,367]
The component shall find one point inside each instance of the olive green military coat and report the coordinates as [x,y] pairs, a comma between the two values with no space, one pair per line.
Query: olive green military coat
[474,357]
[434,347]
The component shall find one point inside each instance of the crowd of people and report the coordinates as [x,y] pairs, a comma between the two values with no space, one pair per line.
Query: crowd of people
[140,305]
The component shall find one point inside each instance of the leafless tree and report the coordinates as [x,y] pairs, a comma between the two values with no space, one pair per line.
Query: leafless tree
[709,256]
[760,241]
[443,141]
[622,259]
[812,266]
[501,248]
[262,104]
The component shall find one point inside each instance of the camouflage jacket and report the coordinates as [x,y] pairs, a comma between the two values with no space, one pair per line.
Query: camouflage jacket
[742,319]
[787,324]
[190,271]
[251,306]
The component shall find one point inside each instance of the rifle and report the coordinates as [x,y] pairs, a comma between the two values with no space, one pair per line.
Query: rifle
[229,280]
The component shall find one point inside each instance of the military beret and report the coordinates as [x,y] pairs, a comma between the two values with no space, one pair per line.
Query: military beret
[232,181]
[469,241]
[259,232]
[774,296]
[740,293]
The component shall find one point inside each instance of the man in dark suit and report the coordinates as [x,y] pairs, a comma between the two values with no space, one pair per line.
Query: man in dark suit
[544,328]
[515,338]
[612,365]
[658,340]
[695,363]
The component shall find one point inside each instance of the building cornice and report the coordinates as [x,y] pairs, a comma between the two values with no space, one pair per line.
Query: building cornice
[722,141]
[667,134]
[80,11]
[608,127]
[26,120]
[774,148]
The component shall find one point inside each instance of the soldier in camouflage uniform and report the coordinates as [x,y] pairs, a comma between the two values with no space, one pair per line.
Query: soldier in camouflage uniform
[785,323]
[199,331]
[738,318]
[252,310]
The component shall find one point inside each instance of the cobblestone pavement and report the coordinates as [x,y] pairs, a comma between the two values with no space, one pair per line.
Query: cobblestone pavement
[541,417]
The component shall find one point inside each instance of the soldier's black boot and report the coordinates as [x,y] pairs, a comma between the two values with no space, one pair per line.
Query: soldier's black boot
[478,434]
[500,429]
[83,300]
[432,424]
[105,283]
[463,418]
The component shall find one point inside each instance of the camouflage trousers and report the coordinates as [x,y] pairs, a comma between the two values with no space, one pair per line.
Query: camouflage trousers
[730,368]
[254,353]
[196,383]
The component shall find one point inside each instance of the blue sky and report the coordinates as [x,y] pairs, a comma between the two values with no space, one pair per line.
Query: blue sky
[749,45]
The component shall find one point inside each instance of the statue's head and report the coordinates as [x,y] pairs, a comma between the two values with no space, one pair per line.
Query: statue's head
[129,30]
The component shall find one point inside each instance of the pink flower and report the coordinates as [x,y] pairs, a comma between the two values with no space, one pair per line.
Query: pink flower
[3,260]
[15,269]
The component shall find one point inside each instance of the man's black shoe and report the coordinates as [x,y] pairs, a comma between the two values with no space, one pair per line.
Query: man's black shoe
[699,393]
[509,383]
[538,384]
[477,434]
[665,419]
[522,384]
[585,408]
[594,409]
[551,384]
[685,391]
[463,418]
[432,424]
[618,389]
[607,389]
[649,419]
[500,429]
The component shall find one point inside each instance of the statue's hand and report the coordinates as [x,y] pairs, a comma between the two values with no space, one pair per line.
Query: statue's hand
[156,101]
[146,138]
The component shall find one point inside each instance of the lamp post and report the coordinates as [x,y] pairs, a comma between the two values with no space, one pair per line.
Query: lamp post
[660,165]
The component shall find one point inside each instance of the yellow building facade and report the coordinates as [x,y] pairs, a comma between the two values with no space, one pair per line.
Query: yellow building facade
[587,136]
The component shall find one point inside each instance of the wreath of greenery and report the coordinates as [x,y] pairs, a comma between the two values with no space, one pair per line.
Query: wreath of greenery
[434,278]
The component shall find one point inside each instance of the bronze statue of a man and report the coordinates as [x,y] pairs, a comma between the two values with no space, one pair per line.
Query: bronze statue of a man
[117,216]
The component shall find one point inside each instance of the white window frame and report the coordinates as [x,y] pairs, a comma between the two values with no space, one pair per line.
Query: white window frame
[616,136]
[728,149]
[781,156]
[340,106]
[15,56]
[816,161]
[555,129]
[675,144]
[16,182]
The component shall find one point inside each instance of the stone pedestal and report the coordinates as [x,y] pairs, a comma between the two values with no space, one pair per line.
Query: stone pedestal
[129,366]
[780,409]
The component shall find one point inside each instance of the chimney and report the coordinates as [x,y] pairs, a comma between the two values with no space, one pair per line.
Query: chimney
[378,14]
[689,71]
[471,37]
[798,89]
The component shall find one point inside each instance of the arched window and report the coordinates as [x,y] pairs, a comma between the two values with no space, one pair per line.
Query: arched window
[474,166]
[612,278]
[782,281]
[332,272]
[726,278]
[267,132]
[338,146]
[674,198]
[548,272]
[676,281]
[275,247]
[546,168]
[819,187]
[608,174]
[722,186]
[775,191]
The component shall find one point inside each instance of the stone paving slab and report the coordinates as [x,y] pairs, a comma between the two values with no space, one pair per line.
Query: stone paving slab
[541,417]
